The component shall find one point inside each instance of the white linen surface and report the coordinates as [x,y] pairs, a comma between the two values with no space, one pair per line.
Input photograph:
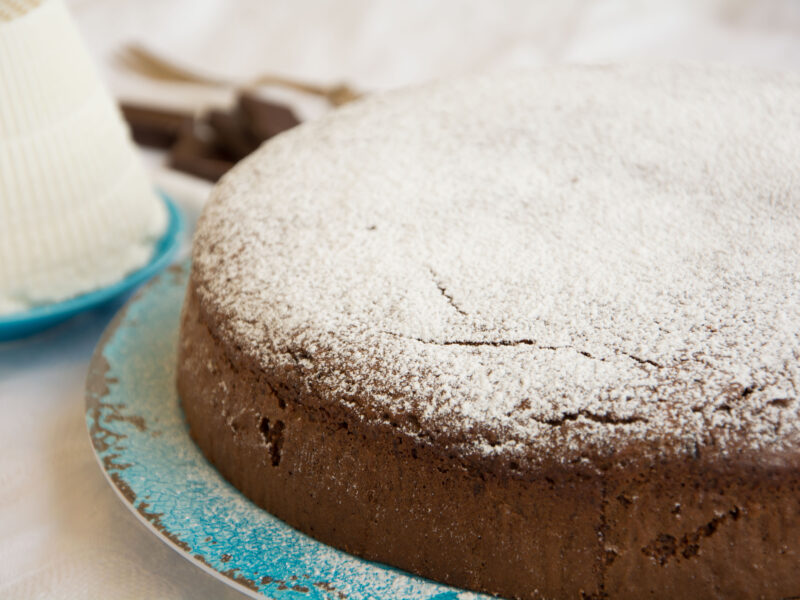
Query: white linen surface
[63,533]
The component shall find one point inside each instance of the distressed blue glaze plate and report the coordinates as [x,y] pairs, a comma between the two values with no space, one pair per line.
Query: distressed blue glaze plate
[142,442]
[38,319]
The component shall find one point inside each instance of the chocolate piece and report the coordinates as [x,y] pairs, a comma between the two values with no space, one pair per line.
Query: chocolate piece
[266,119]
[198,155]
[154,127]
[232,134]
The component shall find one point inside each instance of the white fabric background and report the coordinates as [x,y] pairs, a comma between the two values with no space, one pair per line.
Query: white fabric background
[63,533]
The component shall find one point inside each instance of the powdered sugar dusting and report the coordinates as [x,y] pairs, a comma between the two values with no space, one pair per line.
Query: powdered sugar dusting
[553,263]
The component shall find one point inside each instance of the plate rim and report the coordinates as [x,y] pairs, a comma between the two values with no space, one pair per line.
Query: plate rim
[95,378]
[171,544]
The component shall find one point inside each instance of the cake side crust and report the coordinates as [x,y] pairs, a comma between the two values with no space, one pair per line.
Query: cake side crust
[671,530]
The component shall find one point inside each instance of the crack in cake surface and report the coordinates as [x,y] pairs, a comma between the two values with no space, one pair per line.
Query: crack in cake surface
[447,296]
[524,342]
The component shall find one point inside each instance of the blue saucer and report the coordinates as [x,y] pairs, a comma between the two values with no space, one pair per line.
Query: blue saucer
[37,319]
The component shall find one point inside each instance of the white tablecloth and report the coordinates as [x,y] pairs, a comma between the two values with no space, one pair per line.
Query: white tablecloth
[63,533]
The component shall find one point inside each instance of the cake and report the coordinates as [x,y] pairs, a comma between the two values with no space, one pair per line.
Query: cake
[77,211]
[533,334]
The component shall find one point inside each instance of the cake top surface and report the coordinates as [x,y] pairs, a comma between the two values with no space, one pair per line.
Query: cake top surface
[571,265]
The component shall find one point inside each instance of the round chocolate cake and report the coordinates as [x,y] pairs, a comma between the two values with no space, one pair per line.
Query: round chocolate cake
[533,334]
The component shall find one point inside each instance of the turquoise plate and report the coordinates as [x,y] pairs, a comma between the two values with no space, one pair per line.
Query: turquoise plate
[37,319]
[142,443]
